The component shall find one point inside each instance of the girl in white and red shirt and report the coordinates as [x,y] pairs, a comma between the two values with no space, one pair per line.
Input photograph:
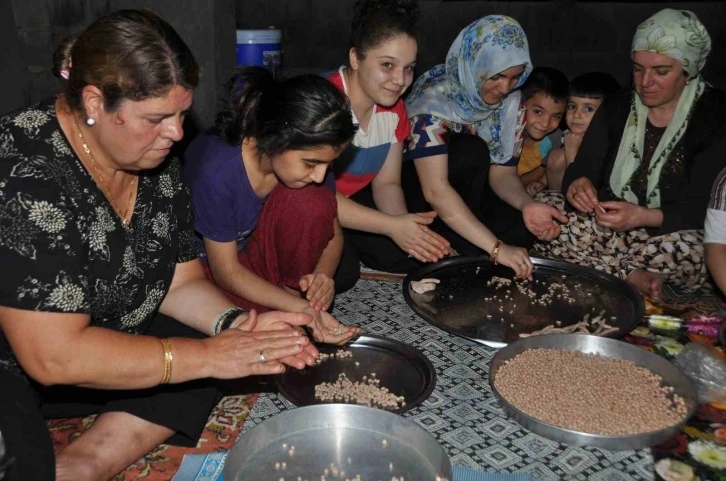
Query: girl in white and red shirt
[379,230]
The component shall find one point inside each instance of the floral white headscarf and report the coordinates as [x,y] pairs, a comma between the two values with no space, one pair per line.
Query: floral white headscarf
[452,91]
[677,34]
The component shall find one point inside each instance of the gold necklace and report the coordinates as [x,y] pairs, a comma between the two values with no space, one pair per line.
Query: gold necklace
[125,221]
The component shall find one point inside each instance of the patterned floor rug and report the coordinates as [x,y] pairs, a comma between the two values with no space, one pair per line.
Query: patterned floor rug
[228,417]
[222,430]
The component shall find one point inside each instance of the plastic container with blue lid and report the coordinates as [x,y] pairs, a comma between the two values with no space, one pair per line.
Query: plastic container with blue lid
[260,48]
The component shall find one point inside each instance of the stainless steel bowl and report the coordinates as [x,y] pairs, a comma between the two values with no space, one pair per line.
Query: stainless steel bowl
[459,303]
[358,440]
[589,344]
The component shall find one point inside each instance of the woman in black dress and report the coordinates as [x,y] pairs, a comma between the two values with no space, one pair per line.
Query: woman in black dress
[640,182]
[97,247]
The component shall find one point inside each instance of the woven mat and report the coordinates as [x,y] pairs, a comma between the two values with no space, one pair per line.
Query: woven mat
[462,413]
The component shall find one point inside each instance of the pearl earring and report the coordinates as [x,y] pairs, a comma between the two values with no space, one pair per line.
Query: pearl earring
[90,122]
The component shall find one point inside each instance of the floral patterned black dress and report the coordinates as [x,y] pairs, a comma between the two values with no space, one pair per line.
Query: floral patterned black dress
[63,248]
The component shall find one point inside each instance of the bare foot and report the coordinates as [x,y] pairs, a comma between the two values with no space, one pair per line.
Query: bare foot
[648,283]
[76,467]
[113,442]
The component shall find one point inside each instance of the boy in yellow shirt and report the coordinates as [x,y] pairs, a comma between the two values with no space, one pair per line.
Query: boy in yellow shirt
[545,97]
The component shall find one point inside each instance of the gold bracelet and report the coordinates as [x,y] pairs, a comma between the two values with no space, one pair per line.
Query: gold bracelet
[168,359]
[495,252]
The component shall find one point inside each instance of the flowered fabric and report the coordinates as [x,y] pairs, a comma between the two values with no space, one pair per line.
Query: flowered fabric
[677,34]
[680,35]
[452,92]
[68,250]
[698,451]
[677,256]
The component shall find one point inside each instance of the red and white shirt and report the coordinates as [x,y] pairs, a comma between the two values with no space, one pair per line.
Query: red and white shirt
[364,157]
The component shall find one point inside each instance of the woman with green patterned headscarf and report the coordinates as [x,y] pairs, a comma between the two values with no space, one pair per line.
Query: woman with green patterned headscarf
[642,178]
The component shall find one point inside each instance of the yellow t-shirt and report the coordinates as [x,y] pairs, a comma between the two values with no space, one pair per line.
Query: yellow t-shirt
[532,157]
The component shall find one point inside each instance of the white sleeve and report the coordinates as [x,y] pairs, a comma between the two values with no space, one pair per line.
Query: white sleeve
[715,227]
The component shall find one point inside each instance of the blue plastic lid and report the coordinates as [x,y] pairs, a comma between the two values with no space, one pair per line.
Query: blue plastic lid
[271,35]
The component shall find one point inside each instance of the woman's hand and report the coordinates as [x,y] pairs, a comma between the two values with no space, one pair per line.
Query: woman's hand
[325,328]
[281,321]
[517,259]
[619,216]
[539,218]
[235,353]
[413,237]
[535,187]
[582,195]
[319,290]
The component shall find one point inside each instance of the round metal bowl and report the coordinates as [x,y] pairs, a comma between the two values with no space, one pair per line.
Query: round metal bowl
[589,344]
[401,368]
[459,303]
[359,440]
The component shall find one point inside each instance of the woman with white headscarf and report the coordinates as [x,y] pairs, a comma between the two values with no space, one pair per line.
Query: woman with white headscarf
[642,178]
[466,115]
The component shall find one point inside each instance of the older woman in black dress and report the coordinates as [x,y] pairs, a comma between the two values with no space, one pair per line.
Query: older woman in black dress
[97,243]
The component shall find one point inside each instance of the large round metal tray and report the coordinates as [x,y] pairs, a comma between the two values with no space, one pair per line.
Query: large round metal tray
[403,369]
[672,376]
[458,304]
[350,437]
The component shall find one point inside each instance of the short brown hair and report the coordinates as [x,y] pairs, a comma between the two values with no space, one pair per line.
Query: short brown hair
[129,54]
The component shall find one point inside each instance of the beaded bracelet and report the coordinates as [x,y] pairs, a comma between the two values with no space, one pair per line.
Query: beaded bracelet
[495,252]
[226,318]
[168,360]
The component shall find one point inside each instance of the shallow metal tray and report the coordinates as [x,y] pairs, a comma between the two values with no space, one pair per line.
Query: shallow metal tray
[672,376]
[350,437]
[458,304]
[403,369]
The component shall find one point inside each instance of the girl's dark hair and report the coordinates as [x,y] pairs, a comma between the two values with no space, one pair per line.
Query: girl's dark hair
[548,81]
[376,21]
[129,54]
[594,85]
[294,113]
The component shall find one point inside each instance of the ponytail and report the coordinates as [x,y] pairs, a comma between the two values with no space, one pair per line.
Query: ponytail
[241,118]
[282,114]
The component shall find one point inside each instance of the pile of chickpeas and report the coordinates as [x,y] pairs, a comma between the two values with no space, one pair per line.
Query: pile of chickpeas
[339,354]
[589,393]
[366,392]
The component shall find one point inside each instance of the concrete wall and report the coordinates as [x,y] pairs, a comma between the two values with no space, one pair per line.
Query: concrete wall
[31,29]
[573,36]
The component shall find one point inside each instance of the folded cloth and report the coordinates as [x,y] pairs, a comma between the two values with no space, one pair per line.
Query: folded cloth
[464,473]
[209,467]
[201,467]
